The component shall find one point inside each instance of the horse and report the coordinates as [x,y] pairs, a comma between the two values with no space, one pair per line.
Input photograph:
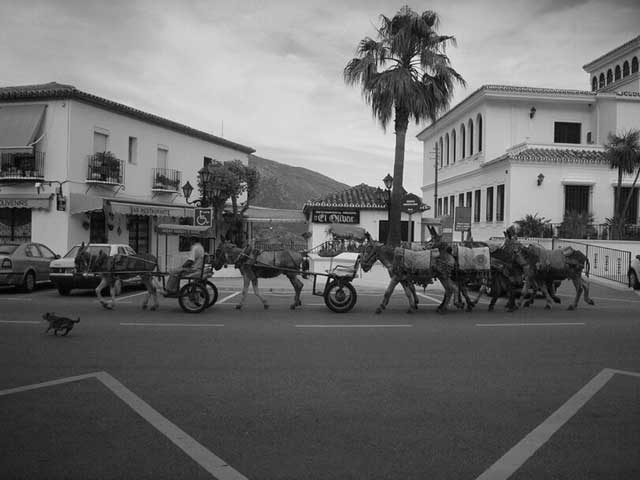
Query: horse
[254,264]
[544,266]
[374,251]
[111,268]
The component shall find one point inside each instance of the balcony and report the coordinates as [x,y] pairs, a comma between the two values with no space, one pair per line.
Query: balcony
[21,167]
[165,180]
[106,169]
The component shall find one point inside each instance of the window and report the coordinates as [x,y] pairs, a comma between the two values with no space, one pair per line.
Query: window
[46,253]
[500,203]
[617,74]
[489,211]
[97,227]
[383,230]
[15,225]
[439,207]
[594,84]
[463,141]
[470,137]
[453,145]
[601,80]
[566,132]
[138,227]
[99,142]
[576,198]
[452,205]
[446,206]
[634,65]
[479,122]
[163,155]
[476,205]
[625,69]
[133,150]
[461,200]
[468,202]
[609,76]
[446,147]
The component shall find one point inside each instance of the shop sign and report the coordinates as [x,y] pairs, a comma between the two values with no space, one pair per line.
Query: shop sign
[24,202]
[351,217]
[149,211]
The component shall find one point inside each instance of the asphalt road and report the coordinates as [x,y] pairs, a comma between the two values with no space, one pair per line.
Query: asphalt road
[310,394]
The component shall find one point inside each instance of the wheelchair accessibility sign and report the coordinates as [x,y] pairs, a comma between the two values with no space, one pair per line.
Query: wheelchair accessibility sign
[203,217]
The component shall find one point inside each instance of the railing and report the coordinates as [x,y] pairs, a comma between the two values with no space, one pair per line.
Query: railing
[604,262]
[602,231]
[165,180]
[105,171]
[21,166]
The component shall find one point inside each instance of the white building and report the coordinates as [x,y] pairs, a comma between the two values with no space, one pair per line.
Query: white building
[510,151]
[57,133]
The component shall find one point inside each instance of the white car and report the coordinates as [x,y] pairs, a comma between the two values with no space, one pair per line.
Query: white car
[65,276]
[634,273]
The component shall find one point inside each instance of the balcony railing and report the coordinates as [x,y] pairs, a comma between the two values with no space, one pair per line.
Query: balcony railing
[105,169]
[165,180]
[21,166]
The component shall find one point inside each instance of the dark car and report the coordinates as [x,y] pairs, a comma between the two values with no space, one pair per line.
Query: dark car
[24,265]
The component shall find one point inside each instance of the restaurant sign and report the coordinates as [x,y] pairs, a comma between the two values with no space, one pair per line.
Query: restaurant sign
[15,201]
[351,217]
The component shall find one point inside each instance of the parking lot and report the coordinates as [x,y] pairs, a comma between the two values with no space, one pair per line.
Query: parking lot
[281,394]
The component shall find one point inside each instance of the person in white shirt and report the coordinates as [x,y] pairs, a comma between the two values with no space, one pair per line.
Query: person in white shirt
[193,264]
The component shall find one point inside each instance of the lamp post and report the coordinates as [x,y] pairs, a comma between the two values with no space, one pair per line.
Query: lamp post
[388,183]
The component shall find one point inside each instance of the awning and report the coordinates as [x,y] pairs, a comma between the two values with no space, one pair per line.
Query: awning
[150,209]
[277,215]
[79,203]
[185,230]
[20,125]
[41,201]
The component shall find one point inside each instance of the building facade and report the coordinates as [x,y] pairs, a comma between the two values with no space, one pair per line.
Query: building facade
[506,152]
[76,167]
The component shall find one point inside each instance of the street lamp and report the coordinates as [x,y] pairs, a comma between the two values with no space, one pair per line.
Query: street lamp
[388,183]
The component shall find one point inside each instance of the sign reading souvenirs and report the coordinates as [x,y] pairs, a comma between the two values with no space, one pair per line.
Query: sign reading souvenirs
[463,219]
[411,203]
[336,216]
[203,217]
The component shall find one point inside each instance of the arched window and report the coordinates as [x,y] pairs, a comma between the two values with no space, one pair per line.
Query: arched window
[625,69]
[479,123]
[470,137]
[609,76]
[463,140]
[594,84]
[601,80]
[453,144]
[446,147]
[634,65]
[616,73]
[441,153]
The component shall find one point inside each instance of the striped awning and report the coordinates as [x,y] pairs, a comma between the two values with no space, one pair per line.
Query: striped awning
[20,125]
[79,203]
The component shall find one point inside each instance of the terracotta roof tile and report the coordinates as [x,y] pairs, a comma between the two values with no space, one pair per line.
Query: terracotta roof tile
[559,155]
[360,196]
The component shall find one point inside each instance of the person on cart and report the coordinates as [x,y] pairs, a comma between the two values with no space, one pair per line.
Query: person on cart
[192,265]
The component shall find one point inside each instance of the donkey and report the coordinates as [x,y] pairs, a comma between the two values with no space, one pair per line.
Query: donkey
[112,270]
[254,264]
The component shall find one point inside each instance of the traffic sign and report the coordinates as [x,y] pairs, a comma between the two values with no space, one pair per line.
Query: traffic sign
[203,217]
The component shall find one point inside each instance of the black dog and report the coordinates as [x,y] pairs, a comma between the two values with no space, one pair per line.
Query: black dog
[59,324]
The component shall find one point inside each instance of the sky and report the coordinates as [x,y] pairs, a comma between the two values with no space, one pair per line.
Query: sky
[268,74]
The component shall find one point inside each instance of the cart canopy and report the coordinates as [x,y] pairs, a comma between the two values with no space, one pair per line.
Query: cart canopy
[347,232]
[185,230]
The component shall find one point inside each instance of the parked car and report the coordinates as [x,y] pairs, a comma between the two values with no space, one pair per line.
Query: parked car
[24,265]
[634,273]
[66,277]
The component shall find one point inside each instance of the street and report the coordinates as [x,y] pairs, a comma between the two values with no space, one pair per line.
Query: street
[310,394]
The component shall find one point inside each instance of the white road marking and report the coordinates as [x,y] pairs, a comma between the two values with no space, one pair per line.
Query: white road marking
[229,297]
[20,321]
[149,324]
[213,464]
[541,324]
[523,450]
[429,297]
[353,326]
[17,299]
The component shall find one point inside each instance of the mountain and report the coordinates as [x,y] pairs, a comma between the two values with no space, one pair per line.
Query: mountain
[284,186]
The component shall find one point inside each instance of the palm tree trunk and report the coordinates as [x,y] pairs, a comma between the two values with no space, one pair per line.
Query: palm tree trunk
[402,122]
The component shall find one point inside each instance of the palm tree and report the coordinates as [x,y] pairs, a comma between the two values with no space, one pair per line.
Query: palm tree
[403,74]
[623,153]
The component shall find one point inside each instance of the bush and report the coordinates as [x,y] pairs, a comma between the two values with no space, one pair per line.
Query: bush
[534,226]
[577,225]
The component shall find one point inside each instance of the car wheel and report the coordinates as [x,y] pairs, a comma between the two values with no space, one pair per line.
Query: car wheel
[633,280]
[64,291]
[29,283]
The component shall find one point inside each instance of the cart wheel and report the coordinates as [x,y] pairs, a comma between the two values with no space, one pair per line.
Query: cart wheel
[340,298]
[212,290]
[193,297]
